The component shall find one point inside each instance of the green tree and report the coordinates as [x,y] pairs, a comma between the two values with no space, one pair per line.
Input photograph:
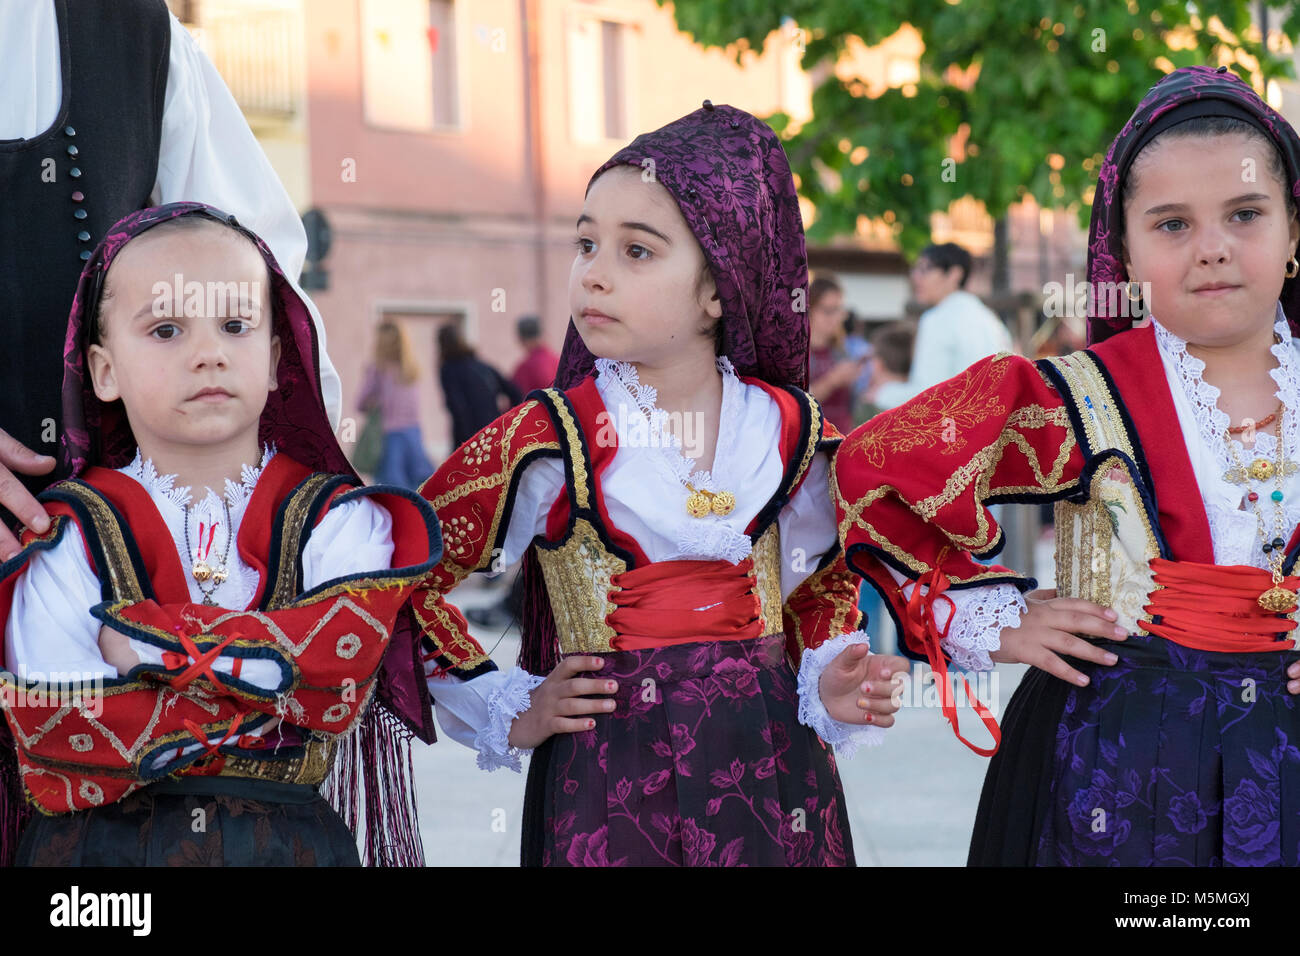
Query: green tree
[1054,78]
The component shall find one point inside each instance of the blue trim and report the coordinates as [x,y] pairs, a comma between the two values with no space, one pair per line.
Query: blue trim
[144,763]
[203,642]
[592,514]
[1093,458]
[90,533]
[424,567]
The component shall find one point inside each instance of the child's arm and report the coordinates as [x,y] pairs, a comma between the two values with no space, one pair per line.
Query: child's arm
[326,645]
[845,692]
[493,496]
[85,735]
[912,488]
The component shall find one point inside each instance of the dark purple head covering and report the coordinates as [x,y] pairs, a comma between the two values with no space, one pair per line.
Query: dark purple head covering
[295,419]
[732,182]
[1185,94]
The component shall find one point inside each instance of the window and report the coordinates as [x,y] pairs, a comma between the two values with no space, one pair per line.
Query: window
[409,65]
[442,50]
[599,65]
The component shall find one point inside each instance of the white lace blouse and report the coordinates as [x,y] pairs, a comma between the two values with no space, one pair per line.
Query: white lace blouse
[644,491]
[981,613]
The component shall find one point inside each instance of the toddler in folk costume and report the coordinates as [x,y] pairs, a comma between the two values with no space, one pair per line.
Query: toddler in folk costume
[227,595]
[690,627]
[1158,724]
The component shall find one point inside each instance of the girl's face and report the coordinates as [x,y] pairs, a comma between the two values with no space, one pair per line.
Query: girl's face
[826,317]
[1207,227]
[634,291]
[194,369]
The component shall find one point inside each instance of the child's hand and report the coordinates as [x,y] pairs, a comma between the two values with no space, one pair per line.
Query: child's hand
[1049,628]
[1293,672]
[559,700]
[115,648]
[859,688]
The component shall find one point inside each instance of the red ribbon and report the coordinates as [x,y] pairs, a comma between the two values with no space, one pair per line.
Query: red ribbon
[922,630]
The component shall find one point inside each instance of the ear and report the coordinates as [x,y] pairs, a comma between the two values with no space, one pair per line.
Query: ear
[102,377]
[709,301]
[1294,232]
[274,383]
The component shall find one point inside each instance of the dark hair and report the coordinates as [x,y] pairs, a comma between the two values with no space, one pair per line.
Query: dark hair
[451,344]
[945,255]
[95,329]
[893,345]
[821,286]
[528,327]
[1206,126]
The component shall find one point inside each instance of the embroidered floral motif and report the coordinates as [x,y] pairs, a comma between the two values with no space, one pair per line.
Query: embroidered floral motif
[479,448]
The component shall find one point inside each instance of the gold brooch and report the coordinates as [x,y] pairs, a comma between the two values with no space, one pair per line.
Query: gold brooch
[703,503]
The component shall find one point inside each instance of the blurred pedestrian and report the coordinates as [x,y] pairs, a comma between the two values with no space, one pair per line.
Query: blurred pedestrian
[537,370]
[955,331]
[831,371]
[472,389]
[392,389]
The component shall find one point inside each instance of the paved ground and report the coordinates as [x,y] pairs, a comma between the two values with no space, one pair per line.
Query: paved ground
[912,799]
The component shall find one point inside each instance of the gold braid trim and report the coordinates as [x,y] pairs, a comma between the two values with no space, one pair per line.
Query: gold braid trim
[979,469]
[121,573]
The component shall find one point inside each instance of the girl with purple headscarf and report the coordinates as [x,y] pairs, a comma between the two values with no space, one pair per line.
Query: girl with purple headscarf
[1158,723]
[686,596]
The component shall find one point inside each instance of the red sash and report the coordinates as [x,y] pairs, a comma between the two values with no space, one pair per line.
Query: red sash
[678,602]
[1215,607]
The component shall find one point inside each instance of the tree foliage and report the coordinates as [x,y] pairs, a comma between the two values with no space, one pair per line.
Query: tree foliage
[1054,81]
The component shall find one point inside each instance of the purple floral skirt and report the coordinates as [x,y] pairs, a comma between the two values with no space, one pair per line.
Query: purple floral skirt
[1173,757]
[702,763]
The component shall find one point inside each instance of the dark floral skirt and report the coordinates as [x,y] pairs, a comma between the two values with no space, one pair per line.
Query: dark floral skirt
[1173,757]
[702,763]
[212,821]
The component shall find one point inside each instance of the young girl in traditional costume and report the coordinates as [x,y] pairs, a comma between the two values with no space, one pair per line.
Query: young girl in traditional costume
[703,593]
[1158,725]
[229,647]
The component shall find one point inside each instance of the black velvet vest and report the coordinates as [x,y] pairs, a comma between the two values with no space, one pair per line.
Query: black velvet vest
[63,189]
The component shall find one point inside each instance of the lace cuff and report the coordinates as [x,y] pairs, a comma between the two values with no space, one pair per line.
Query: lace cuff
[979,616]
[505,704]
[845,738]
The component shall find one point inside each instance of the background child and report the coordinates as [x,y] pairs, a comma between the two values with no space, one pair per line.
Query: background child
[673,508]
[1157,724]
[190,364]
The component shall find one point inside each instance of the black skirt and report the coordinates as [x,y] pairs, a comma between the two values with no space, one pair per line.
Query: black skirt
[202,821]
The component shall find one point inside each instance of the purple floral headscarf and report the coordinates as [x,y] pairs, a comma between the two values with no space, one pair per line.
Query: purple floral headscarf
[295,419]
[1184,94]
[731,179]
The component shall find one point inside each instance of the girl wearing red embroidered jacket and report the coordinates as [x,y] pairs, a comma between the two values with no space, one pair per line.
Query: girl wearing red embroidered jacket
[228,650]
[1158,724]
[674,516]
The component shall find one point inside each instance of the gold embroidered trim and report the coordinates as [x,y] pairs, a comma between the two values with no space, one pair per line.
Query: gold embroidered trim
[121,573]
[287,585]
[311,768]
[767,579]
[578,577]
[979,469]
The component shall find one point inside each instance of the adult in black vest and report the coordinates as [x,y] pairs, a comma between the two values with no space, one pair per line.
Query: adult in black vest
[110,107]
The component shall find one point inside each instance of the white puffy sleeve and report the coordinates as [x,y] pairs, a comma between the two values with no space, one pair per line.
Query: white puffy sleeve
[50,629]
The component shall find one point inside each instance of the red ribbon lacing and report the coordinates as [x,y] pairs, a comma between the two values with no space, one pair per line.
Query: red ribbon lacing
[922,630]
[671,602]
[1215,607]
[202,662]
